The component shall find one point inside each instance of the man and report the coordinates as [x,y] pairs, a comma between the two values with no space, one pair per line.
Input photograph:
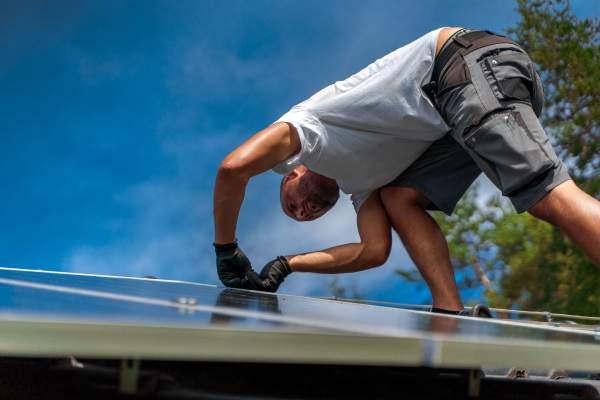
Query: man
[409,133]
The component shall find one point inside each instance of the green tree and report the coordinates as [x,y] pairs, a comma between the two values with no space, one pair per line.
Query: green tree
[336,289]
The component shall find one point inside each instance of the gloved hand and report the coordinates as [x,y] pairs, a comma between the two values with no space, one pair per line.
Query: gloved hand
[232,265]
[272,275]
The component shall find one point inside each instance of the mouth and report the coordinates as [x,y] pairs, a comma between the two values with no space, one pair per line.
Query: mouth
[310,210]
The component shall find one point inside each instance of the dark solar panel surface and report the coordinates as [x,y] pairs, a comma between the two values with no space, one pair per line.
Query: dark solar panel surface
[102,299]
[50,314]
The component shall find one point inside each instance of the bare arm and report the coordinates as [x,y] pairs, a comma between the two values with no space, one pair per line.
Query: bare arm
[260,153]
[372,251]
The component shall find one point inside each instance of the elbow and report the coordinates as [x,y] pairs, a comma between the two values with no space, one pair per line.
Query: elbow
[230,169]
[376,254]
[379,258]
[228,166]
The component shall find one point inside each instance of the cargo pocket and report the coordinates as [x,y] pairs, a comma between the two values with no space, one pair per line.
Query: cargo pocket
[511,151]
[455,73]
[454,89]
[510,74]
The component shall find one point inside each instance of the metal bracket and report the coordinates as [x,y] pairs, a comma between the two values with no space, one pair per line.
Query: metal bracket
[474,382]
[128,376]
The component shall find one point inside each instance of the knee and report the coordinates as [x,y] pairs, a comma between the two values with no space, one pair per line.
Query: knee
[557,202]
[541,210]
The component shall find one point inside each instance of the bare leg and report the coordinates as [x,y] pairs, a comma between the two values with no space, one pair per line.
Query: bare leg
[576,214]
[425,243]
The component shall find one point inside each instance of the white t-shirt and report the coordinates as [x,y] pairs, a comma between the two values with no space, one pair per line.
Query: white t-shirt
[364,131]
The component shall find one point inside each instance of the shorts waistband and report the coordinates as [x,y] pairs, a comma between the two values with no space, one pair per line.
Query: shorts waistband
[463,42]
[460,32]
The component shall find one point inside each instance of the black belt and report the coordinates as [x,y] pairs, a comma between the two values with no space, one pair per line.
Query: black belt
[464,44]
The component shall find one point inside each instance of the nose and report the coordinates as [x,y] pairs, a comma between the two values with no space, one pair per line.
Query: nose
[301,214]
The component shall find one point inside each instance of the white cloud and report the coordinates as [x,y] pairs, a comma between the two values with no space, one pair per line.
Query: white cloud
[208,74]
[163,239]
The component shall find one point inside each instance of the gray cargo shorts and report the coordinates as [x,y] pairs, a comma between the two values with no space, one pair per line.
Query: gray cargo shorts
[491,98]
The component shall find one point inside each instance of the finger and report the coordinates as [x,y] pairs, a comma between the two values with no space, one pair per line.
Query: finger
[254,281]
[264,273]
[225,281]
[227,277]
[271,285]
[238,283]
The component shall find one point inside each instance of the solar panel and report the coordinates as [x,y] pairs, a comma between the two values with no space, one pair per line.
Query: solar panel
[53,314]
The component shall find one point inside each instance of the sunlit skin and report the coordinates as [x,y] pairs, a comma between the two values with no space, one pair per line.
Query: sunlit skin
[264,151]
[301,210]
[296,206]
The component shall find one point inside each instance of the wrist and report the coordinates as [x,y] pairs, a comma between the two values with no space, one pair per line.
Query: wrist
[221,247]
[224,241]
[286,264]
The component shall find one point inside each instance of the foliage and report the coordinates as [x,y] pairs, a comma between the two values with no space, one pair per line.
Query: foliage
[337,290]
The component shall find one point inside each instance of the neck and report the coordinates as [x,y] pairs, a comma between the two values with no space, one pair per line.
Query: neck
[322,178]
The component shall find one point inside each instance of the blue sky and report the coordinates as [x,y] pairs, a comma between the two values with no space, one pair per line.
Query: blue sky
[116,114]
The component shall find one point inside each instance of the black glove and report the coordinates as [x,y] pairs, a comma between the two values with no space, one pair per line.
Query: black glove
[272,275]
[232,265]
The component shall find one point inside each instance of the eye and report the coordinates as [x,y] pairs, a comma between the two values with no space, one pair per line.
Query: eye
[291,207]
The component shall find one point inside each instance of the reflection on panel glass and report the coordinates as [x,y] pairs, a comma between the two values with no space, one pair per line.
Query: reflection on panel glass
[70,297]
[250,302]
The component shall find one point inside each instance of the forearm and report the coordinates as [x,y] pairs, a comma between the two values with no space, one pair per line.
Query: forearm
[259,154]
[228,198]
[351,257]
[372,251]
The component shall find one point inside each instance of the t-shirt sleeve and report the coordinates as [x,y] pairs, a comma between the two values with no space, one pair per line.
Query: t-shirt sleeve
[359,198]
[287,166]
[311,135]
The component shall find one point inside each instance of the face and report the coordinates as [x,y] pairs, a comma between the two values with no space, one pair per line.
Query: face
[303,199]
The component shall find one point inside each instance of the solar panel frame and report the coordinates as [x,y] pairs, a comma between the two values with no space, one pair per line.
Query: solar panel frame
[152,319]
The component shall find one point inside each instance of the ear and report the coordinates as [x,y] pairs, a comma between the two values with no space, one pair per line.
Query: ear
[298,171]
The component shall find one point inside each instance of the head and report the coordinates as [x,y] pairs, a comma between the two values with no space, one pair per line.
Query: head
[306,195]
